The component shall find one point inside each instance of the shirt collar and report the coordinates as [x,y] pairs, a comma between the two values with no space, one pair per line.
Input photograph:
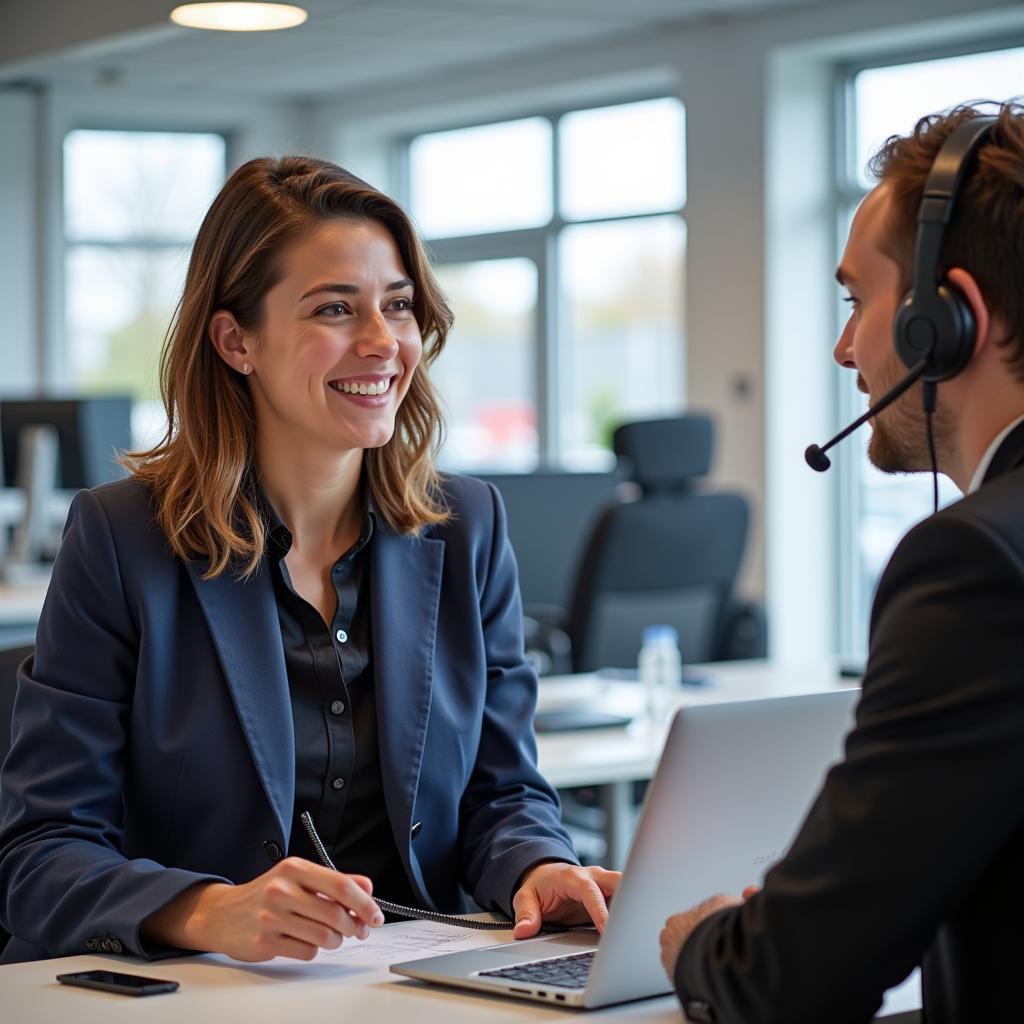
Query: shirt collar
[986,459]
[279,537]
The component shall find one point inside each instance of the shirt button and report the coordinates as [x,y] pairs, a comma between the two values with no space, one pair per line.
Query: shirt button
[342,636]
[338,784]
[337,707]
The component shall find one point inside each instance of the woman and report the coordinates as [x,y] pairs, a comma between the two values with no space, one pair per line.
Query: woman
[284,609]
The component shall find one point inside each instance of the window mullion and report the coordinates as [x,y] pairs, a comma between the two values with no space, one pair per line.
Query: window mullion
[549,338]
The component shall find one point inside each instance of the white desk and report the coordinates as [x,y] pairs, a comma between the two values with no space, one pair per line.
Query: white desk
[613,759]
[215,989]
[20,605]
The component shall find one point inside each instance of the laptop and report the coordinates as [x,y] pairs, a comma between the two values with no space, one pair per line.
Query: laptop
[733,784]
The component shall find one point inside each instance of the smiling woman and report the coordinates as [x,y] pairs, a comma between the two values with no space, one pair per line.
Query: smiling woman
[285,609]
[304,277]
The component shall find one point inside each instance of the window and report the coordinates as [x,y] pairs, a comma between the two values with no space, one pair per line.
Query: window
[883,101]
[560,242]
[133,202]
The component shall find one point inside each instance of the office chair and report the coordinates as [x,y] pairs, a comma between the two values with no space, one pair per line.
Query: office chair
[670,557]
[551,513]
[10,659]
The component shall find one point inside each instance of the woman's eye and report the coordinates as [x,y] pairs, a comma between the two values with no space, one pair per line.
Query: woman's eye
[402,305]
[333,309]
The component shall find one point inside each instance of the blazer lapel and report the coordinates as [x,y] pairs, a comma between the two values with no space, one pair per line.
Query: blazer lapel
[405,589]
[247,635]
[1009,454]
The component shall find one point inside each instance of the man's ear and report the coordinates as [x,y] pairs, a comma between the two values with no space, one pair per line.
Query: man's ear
[230,341]
[965,283]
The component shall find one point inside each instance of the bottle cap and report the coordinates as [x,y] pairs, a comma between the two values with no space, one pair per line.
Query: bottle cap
[661,634]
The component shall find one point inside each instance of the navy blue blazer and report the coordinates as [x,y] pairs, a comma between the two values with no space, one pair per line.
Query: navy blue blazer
[153,744]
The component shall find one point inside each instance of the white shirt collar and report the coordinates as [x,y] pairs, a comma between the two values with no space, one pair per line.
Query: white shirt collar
[986,459]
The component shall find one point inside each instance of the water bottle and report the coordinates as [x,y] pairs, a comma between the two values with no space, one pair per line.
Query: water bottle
[660,668]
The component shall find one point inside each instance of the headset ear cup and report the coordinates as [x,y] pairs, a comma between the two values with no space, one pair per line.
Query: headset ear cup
[906,346]
[956,338]
[940,327]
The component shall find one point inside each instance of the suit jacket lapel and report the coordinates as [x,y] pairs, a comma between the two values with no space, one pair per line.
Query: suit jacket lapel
[405,589]
[1009,454]
[247,635]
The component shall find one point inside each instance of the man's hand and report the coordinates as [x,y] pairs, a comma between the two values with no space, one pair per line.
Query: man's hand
[679,927]
[564,893]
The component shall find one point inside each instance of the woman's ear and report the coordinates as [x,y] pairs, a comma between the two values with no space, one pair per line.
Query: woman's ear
[230,341]
[965,283]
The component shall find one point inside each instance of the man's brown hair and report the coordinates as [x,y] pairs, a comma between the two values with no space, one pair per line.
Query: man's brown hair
[202,473]
[986,234]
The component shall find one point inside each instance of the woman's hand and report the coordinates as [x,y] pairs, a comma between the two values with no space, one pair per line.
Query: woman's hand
[295,909]
[564,893]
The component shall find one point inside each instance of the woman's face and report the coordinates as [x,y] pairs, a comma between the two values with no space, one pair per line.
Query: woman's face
[339,343]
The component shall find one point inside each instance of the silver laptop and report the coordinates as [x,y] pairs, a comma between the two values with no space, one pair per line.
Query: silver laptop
[734,783]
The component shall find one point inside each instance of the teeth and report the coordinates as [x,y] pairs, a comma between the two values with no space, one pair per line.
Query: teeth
[362,388]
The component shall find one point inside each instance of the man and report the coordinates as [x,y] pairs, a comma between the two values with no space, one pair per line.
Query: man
[913,851]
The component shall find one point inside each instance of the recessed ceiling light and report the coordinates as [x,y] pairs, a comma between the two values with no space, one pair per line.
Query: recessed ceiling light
[238,17]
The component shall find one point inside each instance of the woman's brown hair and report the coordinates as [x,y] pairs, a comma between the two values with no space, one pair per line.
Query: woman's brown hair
[202,472]
[986,233]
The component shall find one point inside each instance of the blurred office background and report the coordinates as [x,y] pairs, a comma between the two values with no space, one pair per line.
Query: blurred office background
[636,209]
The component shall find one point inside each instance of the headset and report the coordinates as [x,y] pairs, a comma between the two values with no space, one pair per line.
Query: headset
[935,322]
[934,330]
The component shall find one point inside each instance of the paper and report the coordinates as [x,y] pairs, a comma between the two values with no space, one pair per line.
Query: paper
[412,940]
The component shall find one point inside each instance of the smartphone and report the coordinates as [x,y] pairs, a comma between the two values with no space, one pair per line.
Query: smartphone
[123,984]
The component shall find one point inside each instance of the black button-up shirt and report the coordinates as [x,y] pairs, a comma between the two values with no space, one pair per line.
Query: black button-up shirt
[331,683]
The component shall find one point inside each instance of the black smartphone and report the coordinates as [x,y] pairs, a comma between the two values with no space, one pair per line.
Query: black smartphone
[123,984]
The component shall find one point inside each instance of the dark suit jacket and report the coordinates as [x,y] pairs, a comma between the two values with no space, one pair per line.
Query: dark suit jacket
[153,744]
[913,852]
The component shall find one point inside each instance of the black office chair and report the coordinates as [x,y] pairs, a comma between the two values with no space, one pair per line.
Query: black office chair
[10,659]
[551,513]
[670,557]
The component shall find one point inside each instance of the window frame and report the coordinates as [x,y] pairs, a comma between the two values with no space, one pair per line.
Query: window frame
[539,244]
[142,242]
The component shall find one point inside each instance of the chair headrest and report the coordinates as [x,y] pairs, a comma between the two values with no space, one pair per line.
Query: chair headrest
[666,454]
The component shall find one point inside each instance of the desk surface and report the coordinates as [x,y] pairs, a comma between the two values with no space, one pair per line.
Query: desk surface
[216,989]
[21,603]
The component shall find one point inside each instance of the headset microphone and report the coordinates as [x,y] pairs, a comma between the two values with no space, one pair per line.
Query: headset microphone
[815,454]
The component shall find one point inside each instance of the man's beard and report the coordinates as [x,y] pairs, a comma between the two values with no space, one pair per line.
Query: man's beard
[899,442]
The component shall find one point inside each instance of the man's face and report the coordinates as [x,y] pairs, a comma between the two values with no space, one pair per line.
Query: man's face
[873,280]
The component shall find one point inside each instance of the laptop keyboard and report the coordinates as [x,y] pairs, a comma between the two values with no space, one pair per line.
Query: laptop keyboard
[566,971]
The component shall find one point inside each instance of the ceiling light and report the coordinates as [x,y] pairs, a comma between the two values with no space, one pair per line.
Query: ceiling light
[238,17]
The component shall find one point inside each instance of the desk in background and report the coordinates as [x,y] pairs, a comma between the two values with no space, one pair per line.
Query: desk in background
[613,759]
[20,605]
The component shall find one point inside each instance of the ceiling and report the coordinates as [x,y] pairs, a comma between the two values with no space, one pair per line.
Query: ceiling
[345,44]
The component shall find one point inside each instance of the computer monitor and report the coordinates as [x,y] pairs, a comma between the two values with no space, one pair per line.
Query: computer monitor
[91,433]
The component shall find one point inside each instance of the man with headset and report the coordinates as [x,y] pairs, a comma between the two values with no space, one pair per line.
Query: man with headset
[913,851]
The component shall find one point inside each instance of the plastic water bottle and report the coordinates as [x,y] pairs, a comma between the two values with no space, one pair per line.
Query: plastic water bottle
[660,667]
